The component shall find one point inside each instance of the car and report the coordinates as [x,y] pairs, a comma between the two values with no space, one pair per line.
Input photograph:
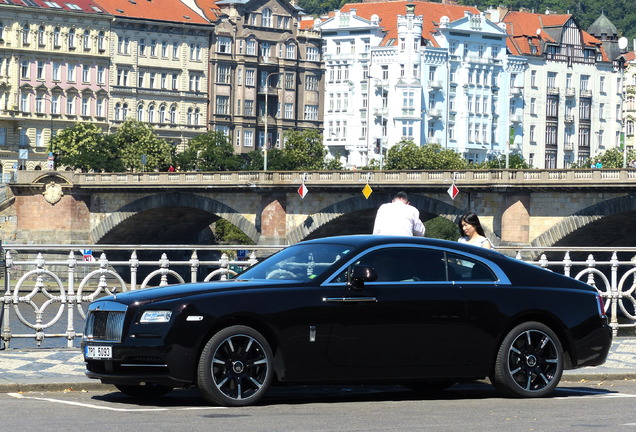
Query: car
[366,309]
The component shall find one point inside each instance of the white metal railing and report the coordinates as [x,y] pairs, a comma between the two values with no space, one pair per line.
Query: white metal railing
[48,287]
[613,277]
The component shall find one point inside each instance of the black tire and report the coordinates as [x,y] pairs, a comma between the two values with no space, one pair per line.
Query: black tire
[144,391]
[235,367]
[529,362]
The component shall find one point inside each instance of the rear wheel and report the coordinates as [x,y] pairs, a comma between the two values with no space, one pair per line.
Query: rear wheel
[235,368]
[529,362]
[144,391]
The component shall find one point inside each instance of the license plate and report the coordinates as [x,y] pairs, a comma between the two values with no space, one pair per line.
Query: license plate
[99,352]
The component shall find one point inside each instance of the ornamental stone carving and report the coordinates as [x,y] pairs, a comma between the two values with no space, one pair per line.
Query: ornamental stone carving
[52,192]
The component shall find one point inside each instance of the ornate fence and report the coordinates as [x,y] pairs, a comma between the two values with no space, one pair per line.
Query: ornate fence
[47,288]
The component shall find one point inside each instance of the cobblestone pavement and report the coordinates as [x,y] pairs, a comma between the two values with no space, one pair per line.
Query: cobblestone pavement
[63,368]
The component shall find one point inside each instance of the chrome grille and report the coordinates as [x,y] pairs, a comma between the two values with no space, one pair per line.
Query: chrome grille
[104,324]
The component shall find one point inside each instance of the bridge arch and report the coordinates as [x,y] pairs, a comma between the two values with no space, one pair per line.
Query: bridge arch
[173,200]
[428,207]
[612,208]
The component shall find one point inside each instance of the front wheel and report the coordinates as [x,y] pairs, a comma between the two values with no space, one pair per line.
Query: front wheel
[235,367]
[529,362]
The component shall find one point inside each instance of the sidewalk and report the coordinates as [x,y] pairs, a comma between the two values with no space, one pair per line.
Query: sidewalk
[63,369]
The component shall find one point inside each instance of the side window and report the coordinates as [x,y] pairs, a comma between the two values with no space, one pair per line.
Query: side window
[463,269]
[404,264]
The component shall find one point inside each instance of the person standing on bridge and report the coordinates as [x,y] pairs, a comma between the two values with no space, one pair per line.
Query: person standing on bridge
[398,218]
[470,225]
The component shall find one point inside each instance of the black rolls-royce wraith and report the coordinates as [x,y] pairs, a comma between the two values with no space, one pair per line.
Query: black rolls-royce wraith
[351,309]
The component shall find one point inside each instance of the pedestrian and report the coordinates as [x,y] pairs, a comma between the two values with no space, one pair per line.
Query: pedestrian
[470,226]
[398,218]
[170,168]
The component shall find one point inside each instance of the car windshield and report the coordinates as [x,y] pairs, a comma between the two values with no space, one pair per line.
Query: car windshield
[300,262]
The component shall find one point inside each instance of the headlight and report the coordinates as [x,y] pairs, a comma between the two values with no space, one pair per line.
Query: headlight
[155,316]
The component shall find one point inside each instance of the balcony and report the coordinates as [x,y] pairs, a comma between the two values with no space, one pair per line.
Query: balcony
[435,84]
[569,119]
[434,113]
[568,146]
[516,91]
[570,92]
[553,91]
[516,118]
[586,93]
[383,111]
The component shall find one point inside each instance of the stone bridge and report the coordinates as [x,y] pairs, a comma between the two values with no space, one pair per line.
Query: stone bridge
[526,207]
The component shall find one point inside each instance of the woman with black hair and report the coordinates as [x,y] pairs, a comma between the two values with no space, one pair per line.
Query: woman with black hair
[473,231]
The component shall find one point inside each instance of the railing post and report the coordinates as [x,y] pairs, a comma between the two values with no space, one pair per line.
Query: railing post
[6,285]
[134,265]
[194,266]
[71,299]
[6,323]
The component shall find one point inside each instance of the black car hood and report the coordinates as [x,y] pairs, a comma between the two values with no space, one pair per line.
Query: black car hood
[149,295]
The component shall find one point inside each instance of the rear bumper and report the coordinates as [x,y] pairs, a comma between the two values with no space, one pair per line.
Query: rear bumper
[594,348]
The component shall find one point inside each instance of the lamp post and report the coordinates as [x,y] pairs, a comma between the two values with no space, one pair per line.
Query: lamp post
[266,144]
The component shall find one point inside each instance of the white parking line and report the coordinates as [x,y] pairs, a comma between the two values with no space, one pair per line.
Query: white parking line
[107,408]
[597,394]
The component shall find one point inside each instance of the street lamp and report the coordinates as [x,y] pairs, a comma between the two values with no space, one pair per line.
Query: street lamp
[266,144]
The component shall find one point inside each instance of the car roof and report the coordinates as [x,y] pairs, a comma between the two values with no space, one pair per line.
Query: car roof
[367,240]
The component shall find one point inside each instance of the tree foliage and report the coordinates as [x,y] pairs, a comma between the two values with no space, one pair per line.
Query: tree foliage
[135,139]
[406,155]
[304,149]
[612,158]
[442,228]
[210,151]
[84,147]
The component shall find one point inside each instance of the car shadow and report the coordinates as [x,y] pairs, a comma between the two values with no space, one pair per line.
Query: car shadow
[311,394]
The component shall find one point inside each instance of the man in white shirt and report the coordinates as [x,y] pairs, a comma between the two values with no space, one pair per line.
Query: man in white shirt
[398,218]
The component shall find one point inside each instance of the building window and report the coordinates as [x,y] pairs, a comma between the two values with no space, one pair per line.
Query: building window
[311,112]
[101,39]
[266,20]
[249,108]
[311,83]
[86,106]
[222,105]
[140,112]
[26,35]
[101,75]
[70,72]
[24,69]
[99,107]
[248,139]
[56,37]
[86,74]
[266,49]
[40,72]
[57,72]
[70,105]
[291,51]
[224,45]
[250,48]
[223,74]
[164,49]
[289,110]
[289,81]
[313,54]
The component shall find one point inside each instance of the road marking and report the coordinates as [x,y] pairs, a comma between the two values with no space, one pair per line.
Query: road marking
[107,408]
[594,394]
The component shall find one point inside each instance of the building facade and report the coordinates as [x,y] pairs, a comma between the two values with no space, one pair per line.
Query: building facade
[266,73]
[426,72]
[572,89]
[159,67]
[54,72]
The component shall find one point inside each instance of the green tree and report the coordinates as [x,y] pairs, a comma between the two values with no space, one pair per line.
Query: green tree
[210,151]
[406,155]
[134,139]
[515,161]
[227,233]
[276,160]
[442,228]
[304,149]
[85,147]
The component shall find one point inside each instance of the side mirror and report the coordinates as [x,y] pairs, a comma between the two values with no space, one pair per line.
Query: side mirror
[361,274]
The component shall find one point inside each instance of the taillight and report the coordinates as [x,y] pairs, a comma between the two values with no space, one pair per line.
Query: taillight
[601,306]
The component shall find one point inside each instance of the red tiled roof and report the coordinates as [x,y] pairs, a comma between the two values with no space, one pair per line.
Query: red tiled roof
[85,6]
[527,29]
[388,12]
[159,10]
[209,8]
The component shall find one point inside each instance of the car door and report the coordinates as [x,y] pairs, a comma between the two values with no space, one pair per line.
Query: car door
[411,316]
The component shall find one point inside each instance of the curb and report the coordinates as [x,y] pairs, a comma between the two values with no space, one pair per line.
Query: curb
[56,387]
